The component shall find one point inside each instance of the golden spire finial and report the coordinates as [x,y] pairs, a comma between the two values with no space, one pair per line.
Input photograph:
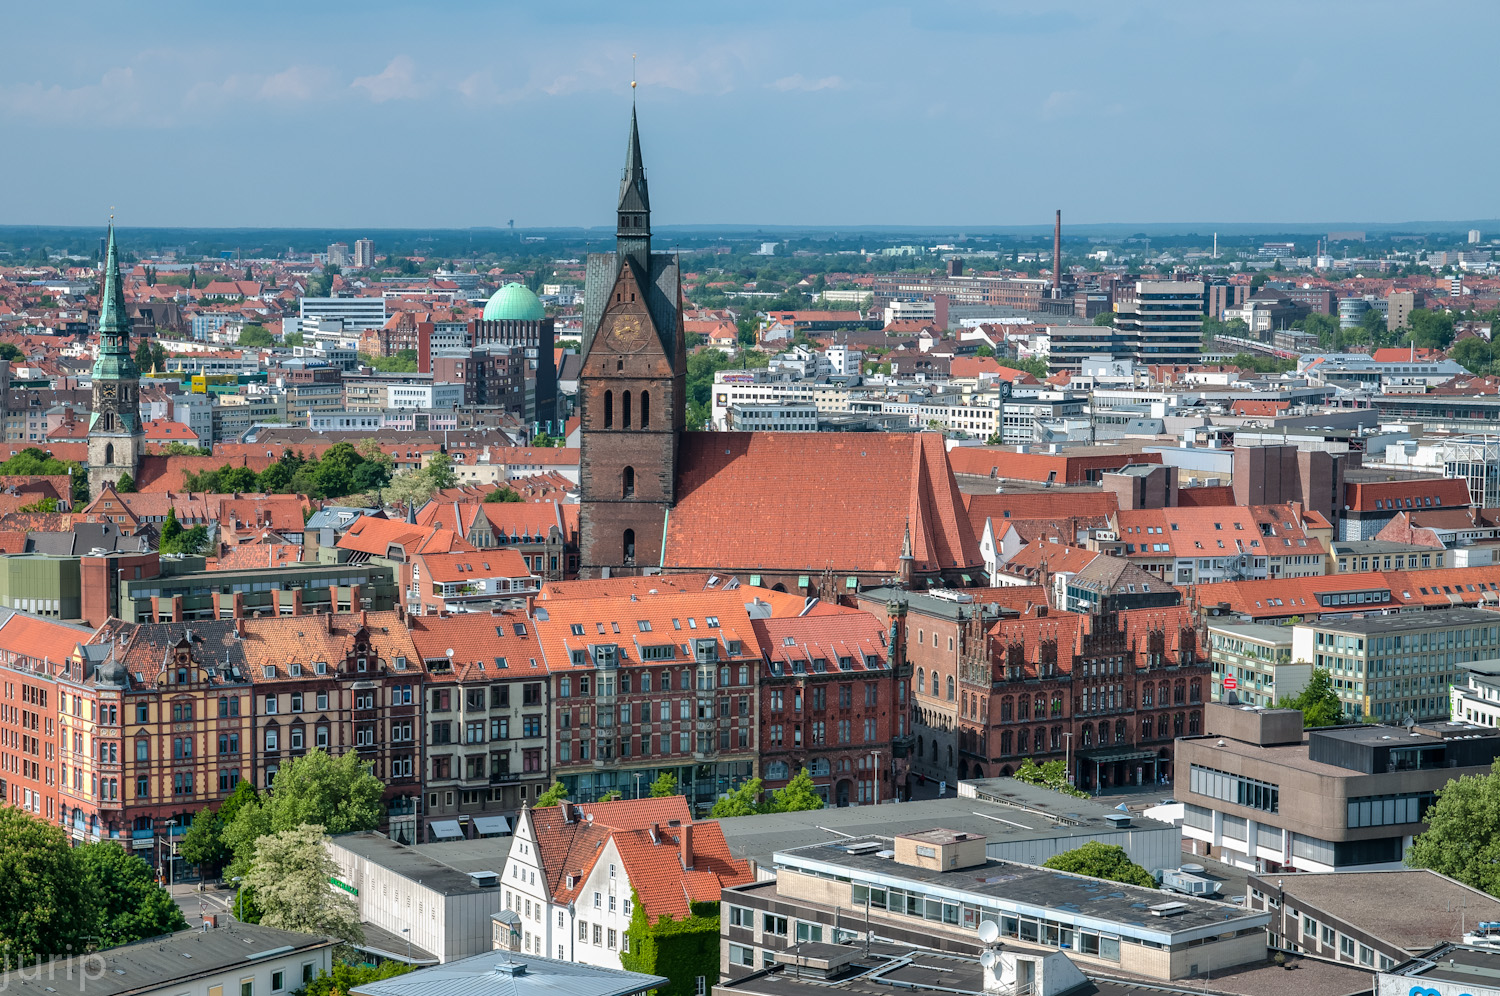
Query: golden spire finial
[632,77]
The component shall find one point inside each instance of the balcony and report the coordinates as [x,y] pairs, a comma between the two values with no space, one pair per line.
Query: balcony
[501,778]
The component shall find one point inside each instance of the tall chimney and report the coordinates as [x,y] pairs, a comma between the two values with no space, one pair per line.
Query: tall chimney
[687,847]
[1057,256]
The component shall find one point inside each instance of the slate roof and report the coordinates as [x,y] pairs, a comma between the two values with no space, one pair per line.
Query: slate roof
[161,963]
[483,975]
[805,502]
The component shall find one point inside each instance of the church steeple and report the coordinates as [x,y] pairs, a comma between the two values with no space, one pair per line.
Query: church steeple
[116,436]
[114,321]
[633,226]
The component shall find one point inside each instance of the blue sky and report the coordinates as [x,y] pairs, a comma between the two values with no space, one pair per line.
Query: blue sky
[819,112]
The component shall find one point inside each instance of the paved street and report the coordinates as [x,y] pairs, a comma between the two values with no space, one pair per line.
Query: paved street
[195,905]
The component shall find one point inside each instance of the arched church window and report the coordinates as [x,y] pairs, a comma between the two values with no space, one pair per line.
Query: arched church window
[627,483]
[624,409]
[645,410]
[109,451]
[629,546]
[609,409]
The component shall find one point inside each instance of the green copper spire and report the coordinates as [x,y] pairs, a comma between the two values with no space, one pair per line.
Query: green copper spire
[114,321]
[115,374]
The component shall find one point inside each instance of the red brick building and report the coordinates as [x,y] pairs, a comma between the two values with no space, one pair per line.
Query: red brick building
[833,699]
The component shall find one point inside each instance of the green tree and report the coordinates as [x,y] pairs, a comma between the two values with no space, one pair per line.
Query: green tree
[1474,354]
[1431,329]
[178,448]
[143,356]
[345,977]
[985,349]
[336,793]
[171,529]
[1325,327]
[126,484]
[743,801]
[290,874]
[613,795]
[1318,702]
[1463,832]
[127,903]
[681,951]
[1100,860]
[555,794]
[9,351]
[415,487]
[292,339]
[45,903]
[174,539]
[203,844]
[40,505]
[664,786]
[1105,318]
[797,795]
[1052,775]
[503,494]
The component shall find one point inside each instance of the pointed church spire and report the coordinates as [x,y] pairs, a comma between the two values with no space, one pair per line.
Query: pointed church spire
[114,322]
[633,230]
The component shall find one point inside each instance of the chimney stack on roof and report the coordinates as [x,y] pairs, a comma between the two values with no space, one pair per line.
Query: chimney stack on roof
[1057,256]
[686,839]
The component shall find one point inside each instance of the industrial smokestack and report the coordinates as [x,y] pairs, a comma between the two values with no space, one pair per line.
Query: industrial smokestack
[1057,256]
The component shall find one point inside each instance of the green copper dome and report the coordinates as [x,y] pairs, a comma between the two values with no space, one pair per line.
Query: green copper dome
[514,303]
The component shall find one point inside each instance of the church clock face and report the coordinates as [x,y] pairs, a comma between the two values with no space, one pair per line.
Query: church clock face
[626,334]
[106,390]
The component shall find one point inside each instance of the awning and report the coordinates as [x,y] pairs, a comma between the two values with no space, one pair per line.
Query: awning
[802,581]
[755,580]
[491,826]
[444,830]
[851,582]
[1109,755]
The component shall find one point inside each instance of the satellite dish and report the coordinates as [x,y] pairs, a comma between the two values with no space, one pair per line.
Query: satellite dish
[989,931]
[988,959]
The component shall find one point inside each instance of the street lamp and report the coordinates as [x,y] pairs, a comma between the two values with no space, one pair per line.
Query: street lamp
[172,853]
[407,932]
[1068,757]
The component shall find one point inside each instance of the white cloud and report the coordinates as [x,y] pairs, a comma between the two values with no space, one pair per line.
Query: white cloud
[1061,103]
[398,81]
[797,81]
[296,83]
[115,97]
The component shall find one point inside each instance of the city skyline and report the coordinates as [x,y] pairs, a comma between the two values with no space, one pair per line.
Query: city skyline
[776,116]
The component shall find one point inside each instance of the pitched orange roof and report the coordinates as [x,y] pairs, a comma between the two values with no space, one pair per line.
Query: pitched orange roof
[1430,492]
[821,500]
[476,644]
[375,537]
[497,562]
[37,638]
[569,841]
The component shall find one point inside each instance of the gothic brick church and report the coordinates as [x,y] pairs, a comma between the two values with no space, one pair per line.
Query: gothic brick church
[795,510]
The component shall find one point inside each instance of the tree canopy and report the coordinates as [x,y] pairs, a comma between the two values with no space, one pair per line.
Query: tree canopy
[54,896]
[413,488]
[290,876]
[1318,702]
[1462,839]
[664,786]
[175,539]
[129,905]
[33,462]
[343,469]
[1101,860]
[256,336]
[797,795]
[336,793]
[743,801]
[503,494]
[555,793]
[1051,774]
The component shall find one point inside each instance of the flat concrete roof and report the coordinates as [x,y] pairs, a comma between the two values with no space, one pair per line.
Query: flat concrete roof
[417,865]
[1431,909]
[1029,813]
[1059,894]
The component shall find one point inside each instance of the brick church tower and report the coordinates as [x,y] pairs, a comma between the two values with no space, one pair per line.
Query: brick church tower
[633,389]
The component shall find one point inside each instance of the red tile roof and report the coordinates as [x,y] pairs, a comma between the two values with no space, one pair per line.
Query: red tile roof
[1443,492]
[823,500]
[569,843]
[376,536]
[37,638]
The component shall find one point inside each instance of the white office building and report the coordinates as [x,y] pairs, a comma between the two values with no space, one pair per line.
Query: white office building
[357,312]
